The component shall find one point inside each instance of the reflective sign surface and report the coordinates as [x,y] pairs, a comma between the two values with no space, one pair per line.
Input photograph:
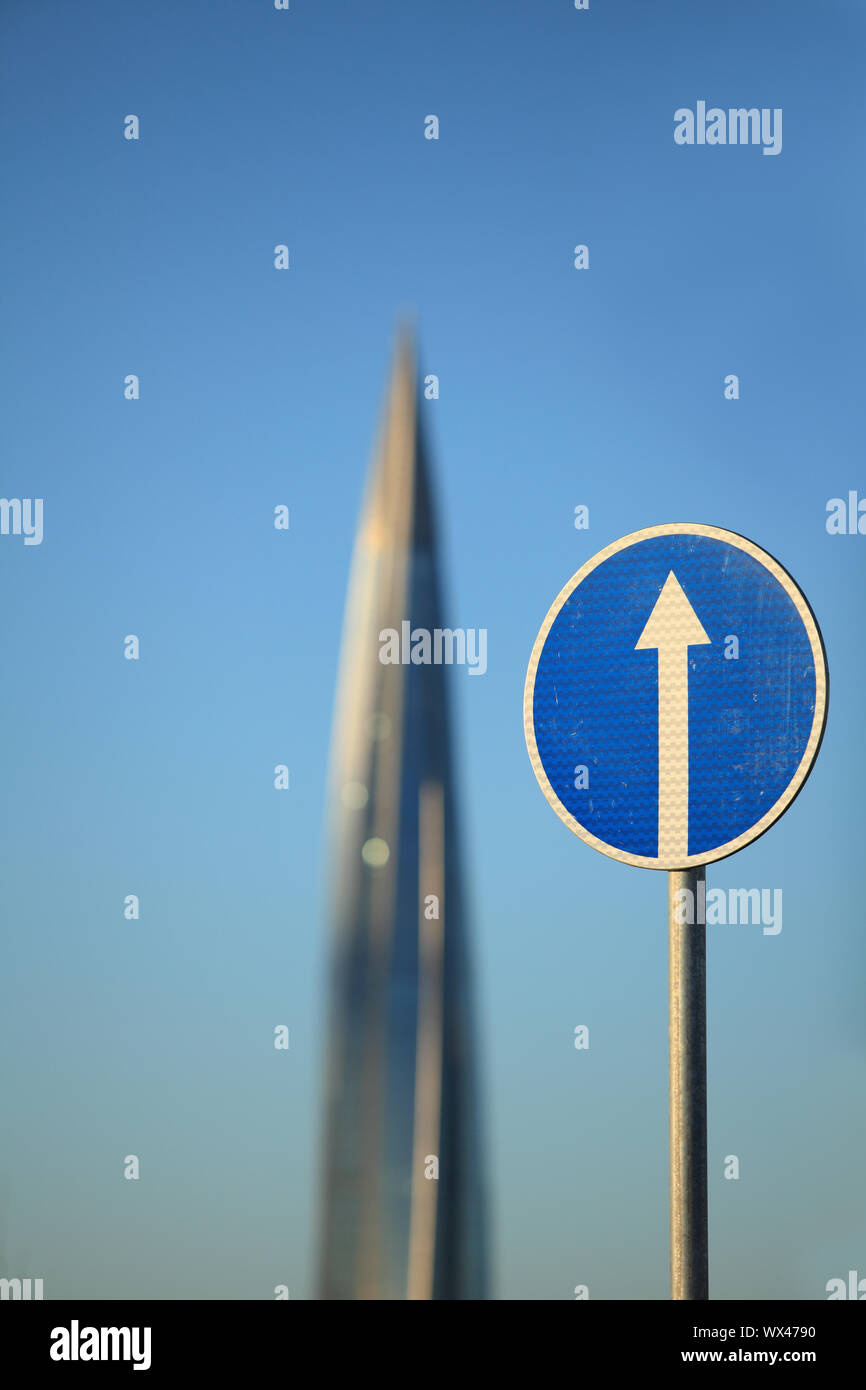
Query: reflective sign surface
[676,696]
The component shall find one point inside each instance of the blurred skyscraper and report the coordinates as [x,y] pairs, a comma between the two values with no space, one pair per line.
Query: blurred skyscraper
[401,1090]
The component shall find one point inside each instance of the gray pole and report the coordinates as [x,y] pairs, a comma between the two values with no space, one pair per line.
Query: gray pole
[687,1045]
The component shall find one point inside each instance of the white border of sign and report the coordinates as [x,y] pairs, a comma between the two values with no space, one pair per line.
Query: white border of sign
[821,694]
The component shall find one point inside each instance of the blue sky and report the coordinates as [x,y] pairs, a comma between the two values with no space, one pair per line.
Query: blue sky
[258,387]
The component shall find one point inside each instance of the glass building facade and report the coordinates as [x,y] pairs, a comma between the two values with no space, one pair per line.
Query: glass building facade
[404,1210]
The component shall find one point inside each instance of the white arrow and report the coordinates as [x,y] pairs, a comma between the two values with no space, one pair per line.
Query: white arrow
[672,627]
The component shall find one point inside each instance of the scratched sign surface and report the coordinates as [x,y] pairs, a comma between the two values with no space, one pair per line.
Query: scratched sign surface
[676,696]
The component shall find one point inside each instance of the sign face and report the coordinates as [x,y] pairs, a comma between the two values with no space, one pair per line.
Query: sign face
[676,696]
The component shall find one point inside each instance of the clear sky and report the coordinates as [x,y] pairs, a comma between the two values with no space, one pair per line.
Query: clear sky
[558,387]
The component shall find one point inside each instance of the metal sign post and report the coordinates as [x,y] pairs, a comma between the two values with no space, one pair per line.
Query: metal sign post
[687,1058]
[674,705]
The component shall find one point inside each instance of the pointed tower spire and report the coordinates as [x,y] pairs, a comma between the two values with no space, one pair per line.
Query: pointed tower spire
[400,1101]
[397,508]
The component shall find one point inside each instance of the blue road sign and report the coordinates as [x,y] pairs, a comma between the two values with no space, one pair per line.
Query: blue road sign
[676,696]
